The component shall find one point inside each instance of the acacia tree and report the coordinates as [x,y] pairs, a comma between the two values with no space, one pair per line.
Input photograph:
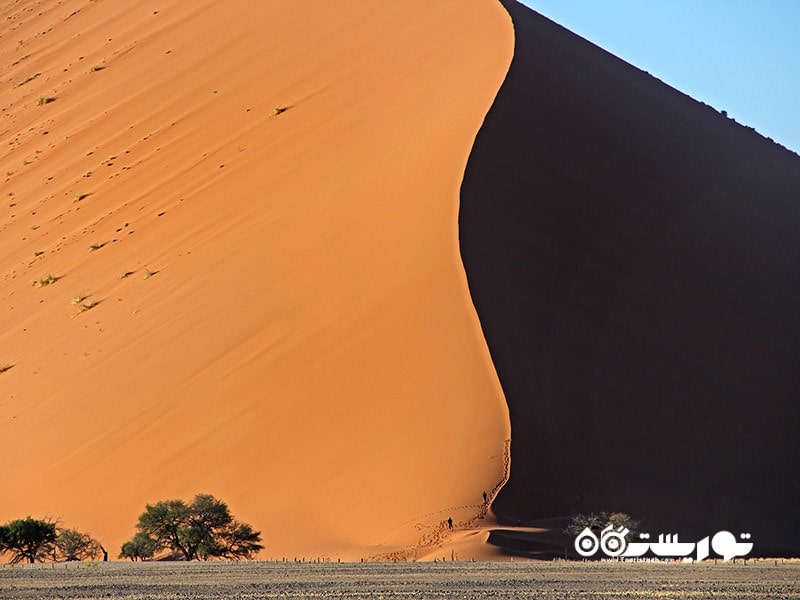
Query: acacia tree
[239,541]
[201,530]
[599,521]
[139,547]
[35,540]
[71,545]
[27,539]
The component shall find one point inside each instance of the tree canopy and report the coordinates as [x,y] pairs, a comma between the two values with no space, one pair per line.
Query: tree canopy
[72,545]
[140,547]
[201,530]
[27,539]
[36,540]
[599,521]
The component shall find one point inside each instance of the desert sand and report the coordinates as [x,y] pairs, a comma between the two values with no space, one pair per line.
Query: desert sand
[633,255]
[250,213]
[334,264]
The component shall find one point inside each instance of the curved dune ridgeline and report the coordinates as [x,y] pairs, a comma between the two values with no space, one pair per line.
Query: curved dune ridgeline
[634,258]
[248,209]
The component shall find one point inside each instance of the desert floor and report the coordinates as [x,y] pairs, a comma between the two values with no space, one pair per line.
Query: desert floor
[553,580]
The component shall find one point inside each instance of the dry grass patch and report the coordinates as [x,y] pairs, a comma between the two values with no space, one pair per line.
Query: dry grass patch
[84,303]
[79,298]
[45,281]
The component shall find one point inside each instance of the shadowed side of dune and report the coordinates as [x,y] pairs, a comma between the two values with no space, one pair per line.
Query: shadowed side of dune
[634,257]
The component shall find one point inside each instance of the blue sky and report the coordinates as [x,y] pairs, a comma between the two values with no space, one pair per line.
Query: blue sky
[742,56]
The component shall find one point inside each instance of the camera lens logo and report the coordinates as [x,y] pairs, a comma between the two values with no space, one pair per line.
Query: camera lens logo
[612,541]
[587,544]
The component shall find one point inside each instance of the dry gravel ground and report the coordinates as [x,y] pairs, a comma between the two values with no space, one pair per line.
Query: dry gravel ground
[556,580]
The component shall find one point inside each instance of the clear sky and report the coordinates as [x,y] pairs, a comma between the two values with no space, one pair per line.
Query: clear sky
[742,56]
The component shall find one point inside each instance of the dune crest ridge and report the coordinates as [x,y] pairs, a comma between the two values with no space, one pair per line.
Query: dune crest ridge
[249,212]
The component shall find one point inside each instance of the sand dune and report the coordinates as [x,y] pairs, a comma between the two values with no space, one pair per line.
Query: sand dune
[275,306]
[633,256]
[231,260]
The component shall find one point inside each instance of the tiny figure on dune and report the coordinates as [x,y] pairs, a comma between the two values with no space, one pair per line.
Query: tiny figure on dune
[485,498]
[450,522]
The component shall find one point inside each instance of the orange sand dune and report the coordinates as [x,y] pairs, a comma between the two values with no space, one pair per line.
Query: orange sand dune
[293,332]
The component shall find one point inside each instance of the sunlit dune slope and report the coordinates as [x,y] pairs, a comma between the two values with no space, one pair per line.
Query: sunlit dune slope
[275,308]
[634,258]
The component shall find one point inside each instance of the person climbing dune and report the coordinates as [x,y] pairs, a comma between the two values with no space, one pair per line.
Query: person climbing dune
[450,522]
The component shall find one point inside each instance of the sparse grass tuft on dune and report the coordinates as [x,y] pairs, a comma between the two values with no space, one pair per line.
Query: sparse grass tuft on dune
[46,280]
[78,298]
[85,303]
